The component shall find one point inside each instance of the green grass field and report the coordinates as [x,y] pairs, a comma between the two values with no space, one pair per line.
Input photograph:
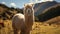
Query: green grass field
[37,28]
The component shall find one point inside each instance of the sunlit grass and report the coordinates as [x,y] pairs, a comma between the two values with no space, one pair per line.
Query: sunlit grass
[37,28]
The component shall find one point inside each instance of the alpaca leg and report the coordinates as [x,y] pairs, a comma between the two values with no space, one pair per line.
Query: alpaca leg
[15,31]
[27,31]
[24,32]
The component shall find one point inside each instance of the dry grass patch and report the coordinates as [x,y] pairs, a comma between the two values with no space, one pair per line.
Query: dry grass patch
[38,28]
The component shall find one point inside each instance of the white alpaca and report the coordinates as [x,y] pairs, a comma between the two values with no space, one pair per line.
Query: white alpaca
[18,21]
[24,22]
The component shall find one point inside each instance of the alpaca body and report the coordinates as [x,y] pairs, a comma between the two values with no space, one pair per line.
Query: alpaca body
[18,21]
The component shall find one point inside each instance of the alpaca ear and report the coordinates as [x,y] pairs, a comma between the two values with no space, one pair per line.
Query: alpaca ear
[24,5]
[32,5]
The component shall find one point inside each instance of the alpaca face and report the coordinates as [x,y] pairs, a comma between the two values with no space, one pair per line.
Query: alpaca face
[28,10]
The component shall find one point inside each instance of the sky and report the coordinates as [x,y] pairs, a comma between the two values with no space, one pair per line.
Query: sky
[17,3]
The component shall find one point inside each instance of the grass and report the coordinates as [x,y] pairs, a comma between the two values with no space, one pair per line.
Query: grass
[37,28]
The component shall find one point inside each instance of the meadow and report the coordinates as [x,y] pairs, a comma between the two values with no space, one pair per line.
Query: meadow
[37,28]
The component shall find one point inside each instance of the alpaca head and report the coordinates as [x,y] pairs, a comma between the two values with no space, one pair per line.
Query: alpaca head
[28,9]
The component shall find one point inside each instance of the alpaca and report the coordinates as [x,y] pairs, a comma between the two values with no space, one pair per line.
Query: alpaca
[24,22]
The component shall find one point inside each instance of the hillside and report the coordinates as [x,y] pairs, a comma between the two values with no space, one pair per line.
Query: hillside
[49,13]
[8,12]
[40,7]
